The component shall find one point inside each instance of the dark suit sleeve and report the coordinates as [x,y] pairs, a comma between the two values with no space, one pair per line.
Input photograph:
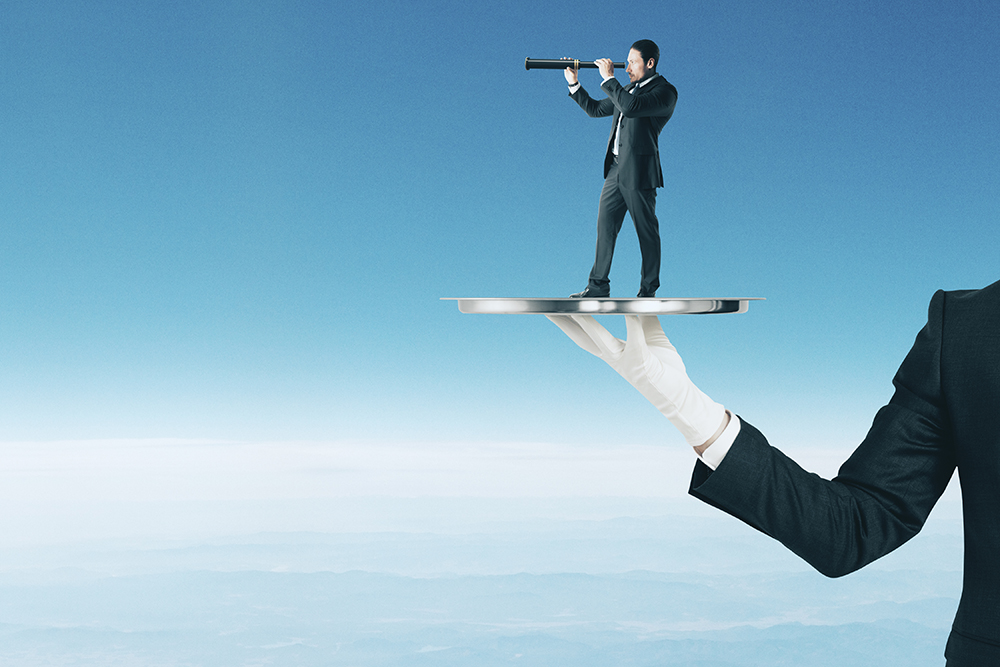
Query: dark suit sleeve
[593,108]
[658,102]
[882,494]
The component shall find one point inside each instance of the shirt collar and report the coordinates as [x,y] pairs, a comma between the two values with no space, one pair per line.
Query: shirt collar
[647,80]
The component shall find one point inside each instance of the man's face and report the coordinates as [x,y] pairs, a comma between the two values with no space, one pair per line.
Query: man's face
[635,67]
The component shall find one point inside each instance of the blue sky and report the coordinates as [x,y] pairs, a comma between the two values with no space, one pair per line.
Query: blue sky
[234,220]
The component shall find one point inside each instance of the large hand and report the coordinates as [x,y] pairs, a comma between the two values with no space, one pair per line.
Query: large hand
[651,364]
[571,74]
[606,67]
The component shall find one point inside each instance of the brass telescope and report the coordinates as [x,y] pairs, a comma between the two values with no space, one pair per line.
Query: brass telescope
[563,63]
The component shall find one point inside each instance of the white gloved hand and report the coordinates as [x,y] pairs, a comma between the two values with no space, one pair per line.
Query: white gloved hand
[650,364]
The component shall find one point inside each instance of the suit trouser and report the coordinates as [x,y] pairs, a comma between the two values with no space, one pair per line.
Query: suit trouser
[641,205]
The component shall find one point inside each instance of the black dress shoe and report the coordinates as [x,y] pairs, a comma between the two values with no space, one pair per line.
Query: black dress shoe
[643,294]
[590,293]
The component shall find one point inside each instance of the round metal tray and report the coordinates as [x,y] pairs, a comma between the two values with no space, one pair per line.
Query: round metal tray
[606,306]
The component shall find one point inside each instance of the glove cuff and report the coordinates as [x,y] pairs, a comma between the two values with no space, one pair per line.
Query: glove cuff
[697,417]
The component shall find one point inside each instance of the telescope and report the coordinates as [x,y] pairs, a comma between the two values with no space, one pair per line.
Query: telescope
[563,63]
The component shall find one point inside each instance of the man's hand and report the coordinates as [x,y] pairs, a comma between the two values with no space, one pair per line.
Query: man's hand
[606,67]
[651,364]
[571,74]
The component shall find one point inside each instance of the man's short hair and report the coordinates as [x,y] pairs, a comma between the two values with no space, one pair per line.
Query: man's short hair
[648,49]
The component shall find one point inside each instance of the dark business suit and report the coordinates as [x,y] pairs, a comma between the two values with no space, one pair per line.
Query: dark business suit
[945,413]
[630,182]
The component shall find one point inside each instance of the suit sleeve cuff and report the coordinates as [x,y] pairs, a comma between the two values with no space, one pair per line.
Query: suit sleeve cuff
[714,453]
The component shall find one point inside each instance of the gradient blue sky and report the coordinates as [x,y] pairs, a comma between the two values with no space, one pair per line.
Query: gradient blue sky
[235,219]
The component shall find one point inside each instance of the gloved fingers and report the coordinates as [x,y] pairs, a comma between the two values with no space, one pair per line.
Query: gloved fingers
[576,333]
[635,340]
[611,347]
[652,331]
[636,335]
[641,356]
[658,344]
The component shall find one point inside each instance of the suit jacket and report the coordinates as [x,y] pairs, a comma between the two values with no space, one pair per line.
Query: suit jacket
[944,413]
[645,113]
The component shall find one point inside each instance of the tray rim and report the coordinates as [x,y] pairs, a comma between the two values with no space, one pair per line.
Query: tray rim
[691,305]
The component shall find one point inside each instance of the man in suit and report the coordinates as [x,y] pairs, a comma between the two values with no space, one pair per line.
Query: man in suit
[943,415]
[632,169]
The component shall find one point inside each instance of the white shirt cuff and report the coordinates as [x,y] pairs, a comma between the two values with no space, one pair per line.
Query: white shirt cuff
[575,87]
[714,453]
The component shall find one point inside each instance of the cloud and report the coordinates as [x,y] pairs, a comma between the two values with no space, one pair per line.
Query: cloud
[150,470]
[160,469]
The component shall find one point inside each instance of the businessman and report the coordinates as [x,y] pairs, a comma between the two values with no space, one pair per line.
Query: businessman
[632,169]
[944,415]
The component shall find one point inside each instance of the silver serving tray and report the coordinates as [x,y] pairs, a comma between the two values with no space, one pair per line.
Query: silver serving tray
[605,306]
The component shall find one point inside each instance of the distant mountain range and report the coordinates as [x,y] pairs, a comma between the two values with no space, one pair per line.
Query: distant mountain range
[301,599]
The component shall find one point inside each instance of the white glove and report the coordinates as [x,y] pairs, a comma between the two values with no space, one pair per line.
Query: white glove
[650,364]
